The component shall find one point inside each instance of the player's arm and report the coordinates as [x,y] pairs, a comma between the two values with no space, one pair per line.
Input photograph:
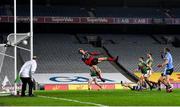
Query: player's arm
[149,64]
[22,69]
[33,69]
[164,63]
[162,55]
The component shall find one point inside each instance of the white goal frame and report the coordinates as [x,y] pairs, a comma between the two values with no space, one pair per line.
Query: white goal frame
[14,44]
[15,33]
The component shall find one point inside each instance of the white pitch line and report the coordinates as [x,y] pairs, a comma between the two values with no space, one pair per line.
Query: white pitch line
[71,100]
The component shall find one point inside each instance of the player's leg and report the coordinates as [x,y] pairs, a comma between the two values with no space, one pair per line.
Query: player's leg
[154,84]
[168,87]
[167,77]
[148,82]
[167,74]
[167,81]
[107,59]
[95,81]
[141,80]
[160,80]
[150,72]
[89,83]
[146,78]
[163,81]
[30,83]
[24,83]
[98,71]
[127,85]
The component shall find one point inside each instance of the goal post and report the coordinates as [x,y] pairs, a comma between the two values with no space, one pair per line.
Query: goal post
[11,60]
[15,34]
[10,53]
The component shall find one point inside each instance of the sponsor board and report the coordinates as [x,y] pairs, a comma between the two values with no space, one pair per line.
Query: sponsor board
[93,87]
[104,86]
[56,87]
[118,86]
[77,78]
[110,86]
[175,77]
[90,20]
[78,87]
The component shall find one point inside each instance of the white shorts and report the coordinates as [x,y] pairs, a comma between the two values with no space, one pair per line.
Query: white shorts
[149,72]
[94,78]
[145,75]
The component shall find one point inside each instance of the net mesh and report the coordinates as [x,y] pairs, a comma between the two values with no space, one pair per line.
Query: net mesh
[7,72]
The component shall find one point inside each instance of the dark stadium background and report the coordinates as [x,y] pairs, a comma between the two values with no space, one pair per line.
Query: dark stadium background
[161,28]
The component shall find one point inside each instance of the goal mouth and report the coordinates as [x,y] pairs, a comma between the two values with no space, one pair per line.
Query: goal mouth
[19,38]
[9,90]
[13,53]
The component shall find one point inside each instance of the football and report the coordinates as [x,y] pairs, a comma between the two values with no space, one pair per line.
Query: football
[25,42]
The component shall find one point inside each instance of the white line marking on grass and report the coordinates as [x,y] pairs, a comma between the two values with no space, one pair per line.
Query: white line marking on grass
[71,100]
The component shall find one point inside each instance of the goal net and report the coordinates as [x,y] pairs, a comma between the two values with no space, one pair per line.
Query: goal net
[7,61]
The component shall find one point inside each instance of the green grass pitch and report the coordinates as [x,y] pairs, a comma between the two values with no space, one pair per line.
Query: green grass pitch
[96,98]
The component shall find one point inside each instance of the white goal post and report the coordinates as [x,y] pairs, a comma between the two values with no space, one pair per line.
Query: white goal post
[9,58]
[15,31]
[9,52]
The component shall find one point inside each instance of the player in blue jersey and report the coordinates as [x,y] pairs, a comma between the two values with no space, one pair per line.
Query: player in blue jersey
[168,69]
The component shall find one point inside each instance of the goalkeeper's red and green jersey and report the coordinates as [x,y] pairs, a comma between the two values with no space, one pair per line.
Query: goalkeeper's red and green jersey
[88,57]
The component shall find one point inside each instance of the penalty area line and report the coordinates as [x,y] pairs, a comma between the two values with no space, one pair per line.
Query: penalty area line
[71,100]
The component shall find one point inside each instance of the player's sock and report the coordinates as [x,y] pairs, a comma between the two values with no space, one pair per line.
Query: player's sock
[159,85]
[121,82]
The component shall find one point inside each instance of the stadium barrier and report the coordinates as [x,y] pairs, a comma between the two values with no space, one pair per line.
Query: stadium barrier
[113,86]
[175,77]
[90,20]
[81,86]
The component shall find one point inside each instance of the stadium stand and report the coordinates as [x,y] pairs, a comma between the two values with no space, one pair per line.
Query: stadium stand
[59,54]
[176,12]
[41,10]
[129,49]
[129,12]
[2,11]
[99,11]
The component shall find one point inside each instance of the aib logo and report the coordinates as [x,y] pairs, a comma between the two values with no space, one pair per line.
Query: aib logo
[79,79]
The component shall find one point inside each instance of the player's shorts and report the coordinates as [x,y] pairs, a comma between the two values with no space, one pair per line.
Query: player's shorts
[94,61]
[149,72]
[145,75]
[137,88]
[93,78]
[167,72]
